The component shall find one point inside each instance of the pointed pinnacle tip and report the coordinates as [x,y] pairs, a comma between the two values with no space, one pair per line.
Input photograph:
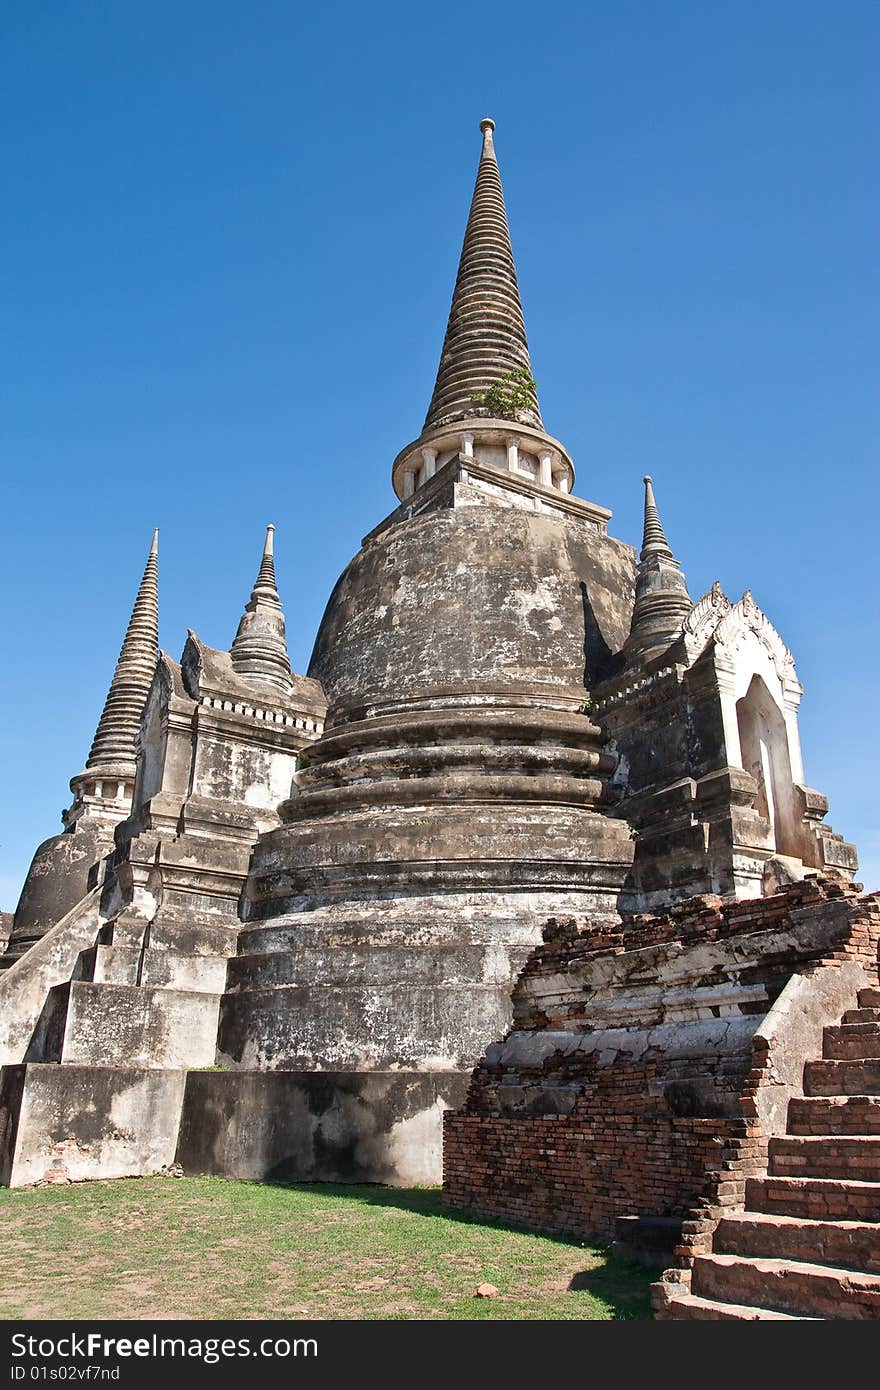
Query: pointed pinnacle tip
[154,547]
[487,124]
[647,478]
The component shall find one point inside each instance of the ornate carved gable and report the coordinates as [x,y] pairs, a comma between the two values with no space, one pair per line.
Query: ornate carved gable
[192,664]
[715,621]
[746,617]
[169,676]
[700,624]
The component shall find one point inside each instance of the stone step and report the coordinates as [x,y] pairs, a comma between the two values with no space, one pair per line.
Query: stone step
[869,998]
[130,1026]
[129,965]
[787,1286]
[184,938]
[198,974]
[650,1240]
[821,1199]
[842,1078]
[115,965]
[680,1307]
[851,1244]
[849,1041]
[834,1115]
[825,1156]
[861,1016]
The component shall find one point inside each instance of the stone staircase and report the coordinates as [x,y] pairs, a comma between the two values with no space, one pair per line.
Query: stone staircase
[807,1245]
[115,1040]
[135,1003]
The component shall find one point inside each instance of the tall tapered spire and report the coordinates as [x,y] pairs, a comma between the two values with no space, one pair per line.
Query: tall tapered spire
[654,540]
[259,652]
[485,336]
[662,598]
[113,747]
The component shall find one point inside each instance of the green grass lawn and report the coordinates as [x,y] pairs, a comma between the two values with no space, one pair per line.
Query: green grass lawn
[210,1248]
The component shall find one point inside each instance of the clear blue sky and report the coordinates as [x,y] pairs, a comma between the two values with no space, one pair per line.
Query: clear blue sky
[229,243]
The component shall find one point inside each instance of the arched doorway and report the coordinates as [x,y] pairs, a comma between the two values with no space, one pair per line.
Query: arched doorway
[764,744]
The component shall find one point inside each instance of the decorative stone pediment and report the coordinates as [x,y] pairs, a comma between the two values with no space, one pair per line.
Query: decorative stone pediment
[169,677]
[192,664]
[703,619]
[746,618]
[715,620]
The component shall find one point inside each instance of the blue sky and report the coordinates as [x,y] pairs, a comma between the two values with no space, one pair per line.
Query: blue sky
[230,240]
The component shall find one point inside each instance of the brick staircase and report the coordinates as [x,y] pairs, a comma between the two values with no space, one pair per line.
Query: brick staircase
[807,1245]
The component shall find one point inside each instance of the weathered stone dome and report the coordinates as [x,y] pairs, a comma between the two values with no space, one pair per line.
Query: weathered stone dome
[474,598]
[456,653]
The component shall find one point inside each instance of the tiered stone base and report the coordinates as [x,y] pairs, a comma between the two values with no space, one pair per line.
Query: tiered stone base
[344,1035]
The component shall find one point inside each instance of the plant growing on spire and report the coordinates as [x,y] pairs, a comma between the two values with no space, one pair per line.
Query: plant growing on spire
[512,392]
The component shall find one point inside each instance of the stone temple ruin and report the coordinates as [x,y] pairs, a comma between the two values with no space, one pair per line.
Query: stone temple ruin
[287,913]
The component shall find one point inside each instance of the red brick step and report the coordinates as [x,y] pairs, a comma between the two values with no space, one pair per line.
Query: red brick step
[834,1115]
[825,1156]
[787,1286]
[826,1199]
[688,1306]
[861,1016]
[851,1041]
[842,1078]
[869,998]
[850,1244]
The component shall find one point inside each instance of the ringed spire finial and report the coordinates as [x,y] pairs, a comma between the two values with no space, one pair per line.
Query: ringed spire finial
[485,335]
[259,651]
[654,539]
[662,601]
[113,747]
[264,587]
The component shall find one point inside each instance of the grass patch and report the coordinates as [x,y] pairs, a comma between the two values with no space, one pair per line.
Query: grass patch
[212,1248]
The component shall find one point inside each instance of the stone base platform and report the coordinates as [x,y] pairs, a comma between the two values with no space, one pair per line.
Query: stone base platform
[66,1123]
[299,1126]
[69,1123]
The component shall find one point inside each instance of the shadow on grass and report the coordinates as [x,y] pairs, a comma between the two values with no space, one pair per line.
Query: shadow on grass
[621,1284]
[422,1201]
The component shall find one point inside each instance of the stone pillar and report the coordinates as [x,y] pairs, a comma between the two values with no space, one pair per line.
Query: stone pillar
[726,680]
[791,695]
[409,483]
[467,444]
[512,455]
[563,482]
[430,463]
[546,459]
